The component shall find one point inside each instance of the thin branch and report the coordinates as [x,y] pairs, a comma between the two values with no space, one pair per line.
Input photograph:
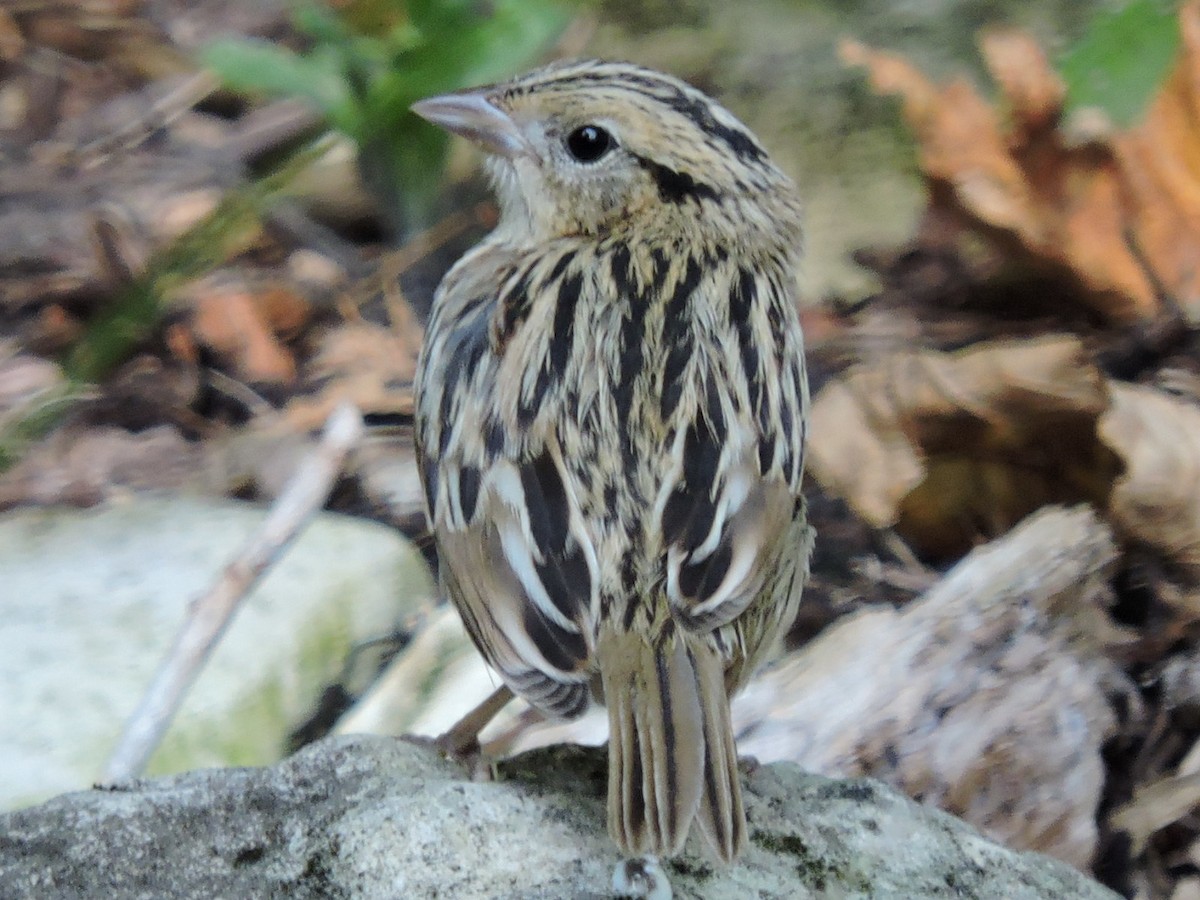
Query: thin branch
[209,614]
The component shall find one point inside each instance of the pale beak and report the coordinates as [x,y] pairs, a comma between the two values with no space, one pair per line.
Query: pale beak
[473,116]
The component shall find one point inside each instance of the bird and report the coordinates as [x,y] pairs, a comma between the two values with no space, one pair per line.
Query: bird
[611,406]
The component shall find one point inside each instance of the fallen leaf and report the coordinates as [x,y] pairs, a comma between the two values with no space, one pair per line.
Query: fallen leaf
[243,325]
[83,466]
[1157,500]
[954,448]
[1118,214]
[371,366]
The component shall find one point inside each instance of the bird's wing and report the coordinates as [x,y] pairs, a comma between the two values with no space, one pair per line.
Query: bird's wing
[515,556]
[738,450]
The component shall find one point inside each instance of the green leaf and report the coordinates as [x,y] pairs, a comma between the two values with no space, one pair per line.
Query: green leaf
[370,60]
[1122,59]
[256,66]
[518,30]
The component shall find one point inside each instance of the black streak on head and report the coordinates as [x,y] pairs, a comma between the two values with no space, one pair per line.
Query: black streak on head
[744,146]
[699,112]
[676,187]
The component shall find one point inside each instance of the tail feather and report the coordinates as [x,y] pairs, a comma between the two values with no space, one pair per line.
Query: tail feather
[671,754]
[721,818]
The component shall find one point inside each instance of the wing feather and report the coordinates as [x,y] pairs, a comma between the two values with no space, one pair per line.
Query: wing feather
[515,556]
[738,447]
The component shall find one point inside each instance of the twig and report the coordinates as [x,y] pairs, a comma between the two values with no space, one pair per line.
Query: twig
[209,614]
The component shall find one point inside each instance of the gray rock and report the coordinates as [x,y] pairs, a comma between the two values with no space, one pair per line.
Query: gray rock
[372,817]
[91,600]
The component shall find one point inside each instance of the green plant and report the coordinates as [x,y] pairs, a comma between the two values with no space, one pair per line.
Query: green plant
[371,59]
[1122,59]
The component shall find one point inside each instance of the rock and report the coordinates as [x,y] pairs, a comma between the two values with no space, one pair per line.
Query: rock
[91,600]
[373,817]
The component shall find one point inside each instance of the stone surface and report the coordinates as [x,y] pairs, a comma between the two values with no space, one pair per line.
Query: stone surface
[91,600]
[373,817]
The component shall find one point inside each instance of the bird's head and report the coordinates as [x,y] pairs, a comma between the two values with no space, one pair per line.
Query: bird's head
[592,148]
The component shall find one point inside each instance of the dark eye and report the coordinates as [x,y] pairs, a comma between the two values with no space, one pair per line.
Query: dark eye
[588,143]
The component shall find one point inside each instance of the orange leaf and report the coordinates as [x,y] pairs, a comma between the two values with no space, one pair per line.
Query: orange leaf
[240,325]
[1092,212]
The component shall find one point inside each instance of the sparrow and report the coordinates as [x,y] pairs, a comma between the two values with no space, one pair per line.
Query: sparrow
[611,413]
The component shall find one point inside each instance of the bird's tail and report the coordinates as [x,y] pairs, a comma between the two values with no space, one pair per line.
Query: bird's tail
[671,753]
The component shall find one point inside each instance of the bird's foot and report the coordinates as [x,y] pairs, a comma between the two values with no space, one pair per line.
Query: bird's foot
[471,756]
[467,754]
[461,743]
[641,877]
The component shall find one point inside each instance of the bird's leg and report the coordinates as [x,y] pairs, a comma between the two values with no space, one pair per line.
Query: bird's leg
[461,742]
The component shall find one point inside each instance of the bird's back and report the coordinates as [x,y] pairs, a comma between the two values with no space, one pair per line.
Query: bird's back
[646,364]
[611,413]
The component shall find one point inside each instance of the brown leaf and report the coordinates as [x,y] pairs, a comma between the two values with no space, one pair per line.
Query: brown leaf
[1160,170]
[955,448]
[1118,215]
[82,467]
[243,326]
[1157,499]
[371,366]
[959,137]
[1034,91]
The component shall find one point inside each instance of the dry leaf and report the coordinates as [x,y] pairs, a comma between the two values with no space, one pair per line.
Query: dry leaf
[371,366]
[243,326]
[82,467]
[1157,500]
[1097,212]
[1156,806]
[955,448]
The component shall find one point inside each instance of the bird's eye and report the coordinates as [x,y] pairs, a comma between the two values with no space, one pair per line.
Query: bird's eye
[588,143]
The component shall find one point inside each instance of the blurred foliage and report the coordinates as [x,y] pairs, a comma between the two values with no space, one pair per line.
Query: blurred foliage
[1122,59]
[369,60]
[134,315]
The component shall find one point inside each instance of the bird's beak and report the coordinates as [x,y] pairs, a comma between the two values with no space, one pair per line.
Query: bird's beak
[474,117]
